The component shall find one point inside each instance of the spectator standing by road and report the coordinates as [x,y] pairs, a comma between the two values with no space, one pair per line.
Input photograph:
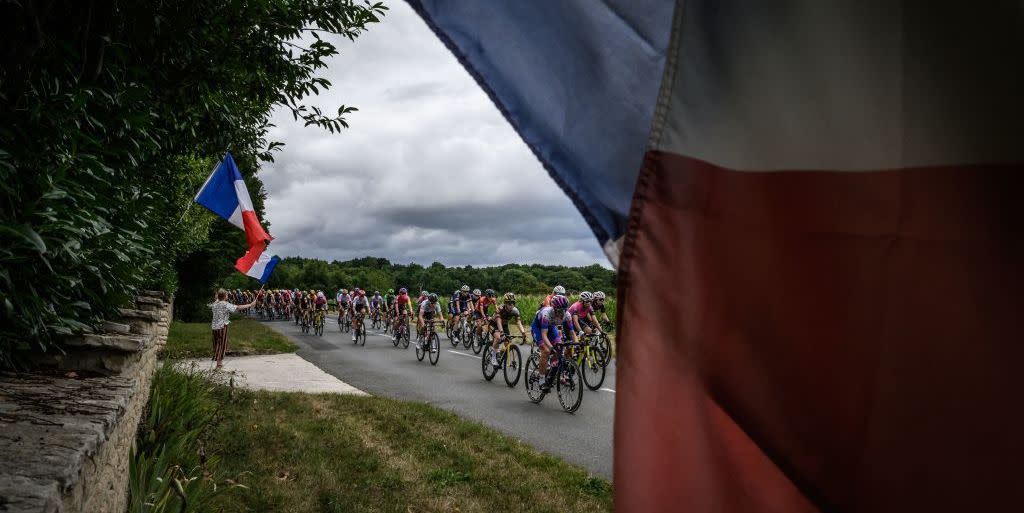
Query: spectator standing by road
[222,309]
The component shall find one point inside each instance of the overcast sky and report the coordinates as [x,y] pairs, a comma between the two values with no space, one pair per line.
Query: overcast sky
[429,169]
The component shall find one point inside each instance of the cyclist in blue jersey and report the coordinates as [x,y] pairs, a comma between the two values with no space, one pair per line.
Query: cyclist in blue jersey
[549,327]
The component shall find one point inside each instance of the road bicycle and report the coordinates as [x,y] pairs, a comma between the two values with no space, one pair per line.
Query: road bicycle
[591,360]
[428,343]
[318,323]
[563,375]
[360,327]
[509,357]
[344,321]
[305,321]
[480,339]
[402,333]
[377,321]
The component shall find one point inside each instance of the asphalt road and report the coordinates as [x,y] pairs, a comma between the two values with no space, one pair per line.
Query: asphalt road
[457,384]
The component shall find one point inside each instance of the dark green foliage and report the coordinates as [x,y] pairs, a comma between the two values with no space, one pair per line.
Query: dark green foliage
[111,115]
[380,274]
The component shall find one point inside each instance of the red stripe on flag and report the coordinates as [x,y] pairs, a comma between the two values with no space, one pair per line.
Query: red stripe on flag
[250,257]
[851,339]
[254,232]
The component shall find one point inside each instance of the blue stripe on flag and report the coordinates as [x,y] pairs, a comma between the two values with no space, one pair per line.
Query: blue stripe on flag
[577,79]
[269,268]
[218,195]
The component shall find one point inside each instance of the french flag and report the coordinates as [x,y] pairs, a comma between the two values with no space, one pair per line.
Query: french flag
[226,195]
[257,262]
[815,212]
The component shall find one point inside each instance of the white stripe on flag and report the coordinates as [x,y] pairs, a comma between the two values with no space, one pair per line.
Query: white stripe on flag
[244,202]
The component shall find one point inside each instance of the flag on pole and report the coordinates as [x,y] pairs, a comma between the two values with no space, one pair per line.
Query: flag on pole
[224,193]
[257,262]
[827,192]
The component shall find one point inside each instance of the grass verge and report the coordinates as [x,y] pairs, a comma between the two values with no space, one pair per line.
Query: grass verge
[245,336]
[331,453]
[295,452]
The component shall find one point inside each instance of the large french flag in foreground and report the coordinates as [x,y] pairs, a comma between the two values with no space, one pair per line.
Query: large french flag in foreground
[226,195]
[815,209]
[257,262]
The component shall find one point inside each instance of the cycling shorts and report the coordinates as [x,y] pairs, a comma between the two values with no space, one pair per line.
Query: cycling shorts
[493,321]
[359,308]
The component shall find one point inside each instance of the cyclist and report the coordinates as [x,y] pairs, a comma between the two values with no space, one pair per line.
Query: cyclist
[375,303]
[360,305]
[557,291]
[500,321]
[304,304]
[402,308]
[599,307]
[320,304]
[428,309]
[483,309]
[548,328]
[582,314]
[389,304]
[343,299]
[424,295]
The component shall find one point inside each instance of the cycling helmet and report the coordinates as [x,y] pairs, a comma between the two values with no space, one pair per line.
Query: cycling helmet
[559,290]
[586,297]
[391,291]
[464,288]
[403,291]
[424,293]
[490,293]
[510,298]
[598,295]
[559,302]
[362,292]
[376,293]
[476,292]
[432,298]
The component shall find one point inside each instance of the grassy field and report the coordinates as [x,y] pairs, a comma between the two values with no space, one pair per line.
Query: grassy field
[245,336]
[295,452]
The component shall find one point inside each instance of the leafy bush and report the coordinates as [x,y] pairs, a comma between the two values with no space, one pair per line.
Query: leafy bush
[111,114]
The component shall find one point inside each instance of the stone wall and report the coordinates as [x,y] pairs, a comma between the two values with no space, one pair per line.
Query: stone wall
[66,429]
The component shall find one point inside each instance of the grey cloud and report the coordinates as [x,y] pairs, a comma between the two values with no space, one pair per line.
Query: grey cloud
[429,169]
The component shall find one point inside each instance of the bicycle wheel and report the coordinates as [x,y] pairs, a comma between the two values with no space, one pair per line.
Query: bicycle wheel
[434,345]
[604,349]
[485,364]
[420,353]
[570,386]
[405,336]
[534,379]
[512,367]
[479,342]
[593,370]
[362,334]
[468,334]
[395,339]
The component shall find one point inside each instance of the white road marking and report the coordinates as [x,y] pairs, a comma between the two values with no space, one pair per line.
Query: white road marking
[608,390]
[462,354]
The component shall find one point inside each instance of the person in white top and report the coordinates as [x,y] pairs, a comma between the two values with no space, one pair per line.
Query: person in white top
[222,309]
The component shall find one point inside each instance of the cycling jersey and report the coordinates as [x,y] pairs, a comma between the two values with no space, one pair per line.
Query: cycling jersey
[304,302]
[320,303]
[545,321]
[427,311]
[452,301]
[464,299]
[376,301]
[486,302]
[343,300]
[360,303]
[507,314]
[580,310]
[402,301]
